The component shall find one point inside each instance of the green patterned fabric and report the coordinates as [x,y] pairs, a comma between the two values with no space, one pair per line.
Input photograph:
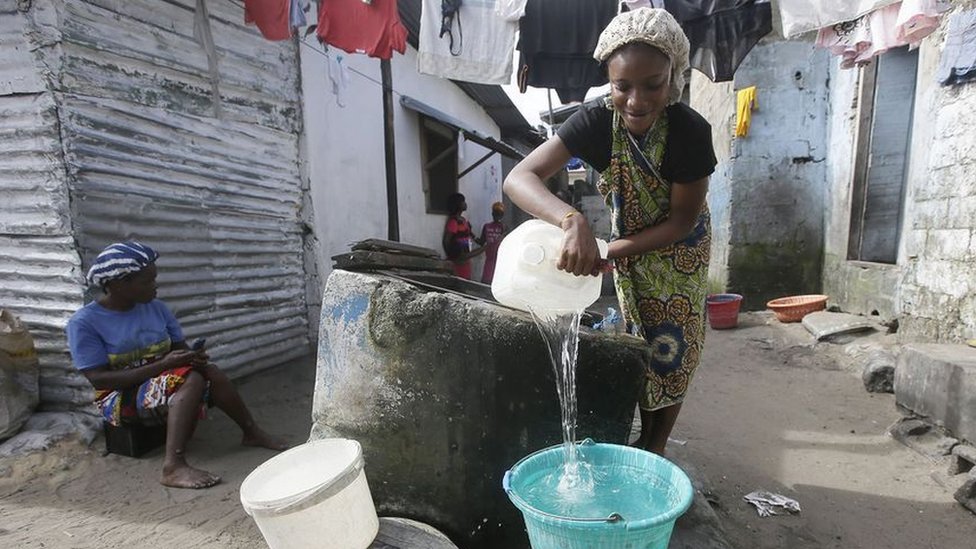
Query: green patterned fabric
[662,293]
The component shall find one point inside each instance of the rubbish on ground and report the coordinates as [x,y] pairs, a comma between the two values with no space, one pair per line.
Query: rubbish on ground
[677,441]
[971,343]
[766,503]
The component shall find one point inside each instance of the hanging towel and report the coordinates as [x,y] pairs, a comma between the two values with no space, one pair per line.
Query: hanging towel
[488,42]
[745,101]
[959,56]
[356,27]
[556,43]
[893,26]
[721,32]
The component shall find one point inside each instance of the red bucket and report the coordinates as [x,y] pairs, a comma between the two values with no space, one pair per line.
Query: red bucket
[723,310]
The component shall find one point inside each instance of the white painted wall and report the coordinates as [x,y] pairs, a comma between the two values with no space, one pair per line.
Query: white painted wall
[346,156]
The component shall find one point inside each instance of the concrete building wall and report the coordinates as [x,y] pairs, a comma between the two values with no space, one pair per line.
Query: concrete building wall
[932,286]
[768,191]
[346,162]
[716,102]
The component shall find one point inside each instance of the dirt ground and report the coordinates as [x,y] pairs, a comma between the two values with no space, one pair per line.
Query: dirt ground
[768,410]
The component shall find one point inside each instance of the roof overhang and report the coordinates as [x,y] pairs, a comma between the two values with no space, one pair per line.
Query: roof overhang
[471,135]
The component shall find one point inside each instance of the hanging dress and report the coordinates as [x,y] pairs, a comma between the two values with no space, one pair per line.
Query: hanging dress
[662,292]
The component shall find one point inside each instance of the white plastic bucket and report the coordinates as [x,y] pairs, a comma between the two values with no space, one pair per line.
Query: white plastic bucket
[314,495]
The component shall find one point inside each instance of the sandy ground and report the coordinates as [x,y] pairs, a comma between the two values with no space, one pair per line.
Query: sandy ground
[768,410]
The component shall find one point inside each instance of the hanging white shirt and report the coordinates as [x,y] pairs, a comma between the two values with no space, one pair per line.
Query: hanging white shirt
[800,16]
[484,41]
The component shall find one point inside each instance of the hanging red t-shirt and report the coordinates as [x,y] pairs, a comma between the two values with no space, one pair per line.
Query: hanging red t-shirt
[270,16]
[357,27]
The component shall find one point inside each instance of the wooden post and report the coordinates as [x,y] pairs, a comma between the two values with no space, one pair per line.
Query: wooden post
[393,217]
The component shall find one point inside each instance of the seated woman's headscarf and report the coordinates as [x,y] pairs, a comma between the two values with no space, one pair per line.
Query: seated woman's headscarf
[654,27]
[120,259]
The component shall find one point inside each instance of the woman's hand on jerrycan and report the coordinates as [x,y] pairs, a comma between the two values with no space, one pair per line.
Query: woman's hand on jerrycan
[580,254]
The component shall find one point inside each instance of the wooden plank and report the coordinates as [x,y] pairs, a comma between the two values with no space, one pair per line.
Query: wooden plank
[378,245]
[371,261]
[400,533]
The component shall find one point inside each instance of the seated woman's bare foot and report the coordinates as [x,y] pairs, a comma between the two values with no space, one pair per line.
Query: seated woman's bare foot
[257,437]
[184,476]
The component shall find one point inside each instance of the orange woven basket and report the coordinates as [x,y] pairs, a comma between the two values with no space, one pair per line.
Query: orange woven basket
[795,307]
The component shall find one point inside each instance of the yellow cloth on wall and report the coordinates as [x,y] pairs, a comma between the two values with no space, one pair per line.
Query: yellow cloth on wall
[745,101]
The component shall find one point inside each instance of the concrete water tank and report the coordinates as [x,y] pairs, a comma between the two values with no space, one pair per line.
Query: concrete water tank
[445,390]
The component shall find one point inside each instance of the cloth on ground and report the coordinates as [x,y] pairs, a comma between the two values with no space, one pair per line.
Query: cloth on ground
[893,26]
[721,32]
[766,503]
[489,42]
[958,63]
[745,101]
[355,27]
[556,43]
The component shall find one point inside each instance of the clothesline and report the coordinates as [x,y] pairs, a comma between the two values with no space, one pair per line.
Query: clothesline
[326,54]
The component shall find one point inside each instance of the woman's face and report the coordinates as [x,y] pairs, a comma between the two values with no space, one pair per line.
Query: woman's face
[139,287]
[640,83]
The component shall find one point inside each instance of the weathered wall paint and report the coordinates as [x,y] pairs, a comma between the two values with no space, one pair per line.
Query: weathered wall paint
[768,191]
[346,162]
[126,144]
[932,287]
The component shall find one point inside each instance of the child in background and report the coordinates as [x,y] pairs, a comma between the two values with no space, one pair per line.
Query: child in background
[491,235]
[458,237]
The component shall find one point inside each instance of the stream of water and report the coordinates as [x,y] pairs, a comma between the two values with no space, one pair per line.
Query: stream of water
[562,337]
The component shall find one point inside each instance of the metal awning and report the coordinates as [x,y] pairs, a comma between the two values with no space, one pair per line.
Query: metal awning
[472,135]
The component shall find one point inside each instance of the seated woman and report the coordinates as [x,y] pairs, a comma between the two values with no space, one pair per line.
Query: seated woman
[131,348]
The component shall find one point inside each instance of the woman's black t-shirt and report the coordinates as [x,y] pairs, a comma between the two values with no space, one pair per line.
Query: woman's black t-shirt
[688,153]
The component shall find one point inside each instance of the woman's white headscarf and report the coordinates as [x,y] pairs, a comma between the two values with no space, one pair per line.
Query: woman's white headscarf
[654,27]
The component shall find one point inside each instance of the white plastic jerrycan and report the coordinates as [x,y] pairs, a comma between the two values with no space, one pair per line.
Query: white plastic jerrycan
[526,276]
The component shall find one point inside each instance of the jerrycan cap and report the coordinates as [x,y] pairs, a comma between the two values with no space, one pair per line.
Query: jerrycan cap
[533,254]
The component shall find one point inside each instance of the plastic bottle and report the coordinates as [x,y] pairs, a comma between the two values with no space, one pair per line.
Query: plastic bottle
[526,276]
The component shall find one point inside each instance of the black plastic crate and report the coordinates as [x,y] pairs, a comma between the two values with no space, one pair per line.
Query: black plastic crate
[133,440]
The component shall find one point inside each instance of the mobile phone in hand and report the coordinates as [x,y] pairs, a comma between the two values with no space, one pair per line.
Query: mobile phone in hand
[198,344]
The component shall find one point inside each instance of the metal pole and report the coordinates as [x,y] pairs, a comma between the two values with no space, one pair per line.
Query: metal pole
[393,217]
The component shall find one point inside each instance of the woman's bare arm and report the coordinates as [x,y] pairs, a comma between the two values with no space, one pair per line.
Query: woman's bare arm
[524,185]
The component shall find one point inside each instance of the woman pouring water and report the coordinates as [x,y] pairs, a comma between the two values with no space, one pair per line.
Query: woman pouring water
[654,156]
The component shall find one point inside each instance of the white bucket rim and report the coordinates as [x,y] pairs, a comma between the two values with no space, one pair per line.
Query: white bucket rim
[306,498]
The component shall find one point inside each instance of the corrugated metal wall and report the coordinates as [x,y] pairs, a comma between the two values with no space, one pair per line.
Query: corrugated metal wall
[146,158]
[40,272]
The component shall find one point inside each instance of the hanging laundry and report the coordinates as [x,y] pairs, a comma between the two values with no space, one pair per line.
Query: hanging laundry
[296,13]
[357,27]
[745,101]
[801,16]
[481,44]
[272,17]
[959,56]
[900,24]
[338,77]
[556,43]
[721,32]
